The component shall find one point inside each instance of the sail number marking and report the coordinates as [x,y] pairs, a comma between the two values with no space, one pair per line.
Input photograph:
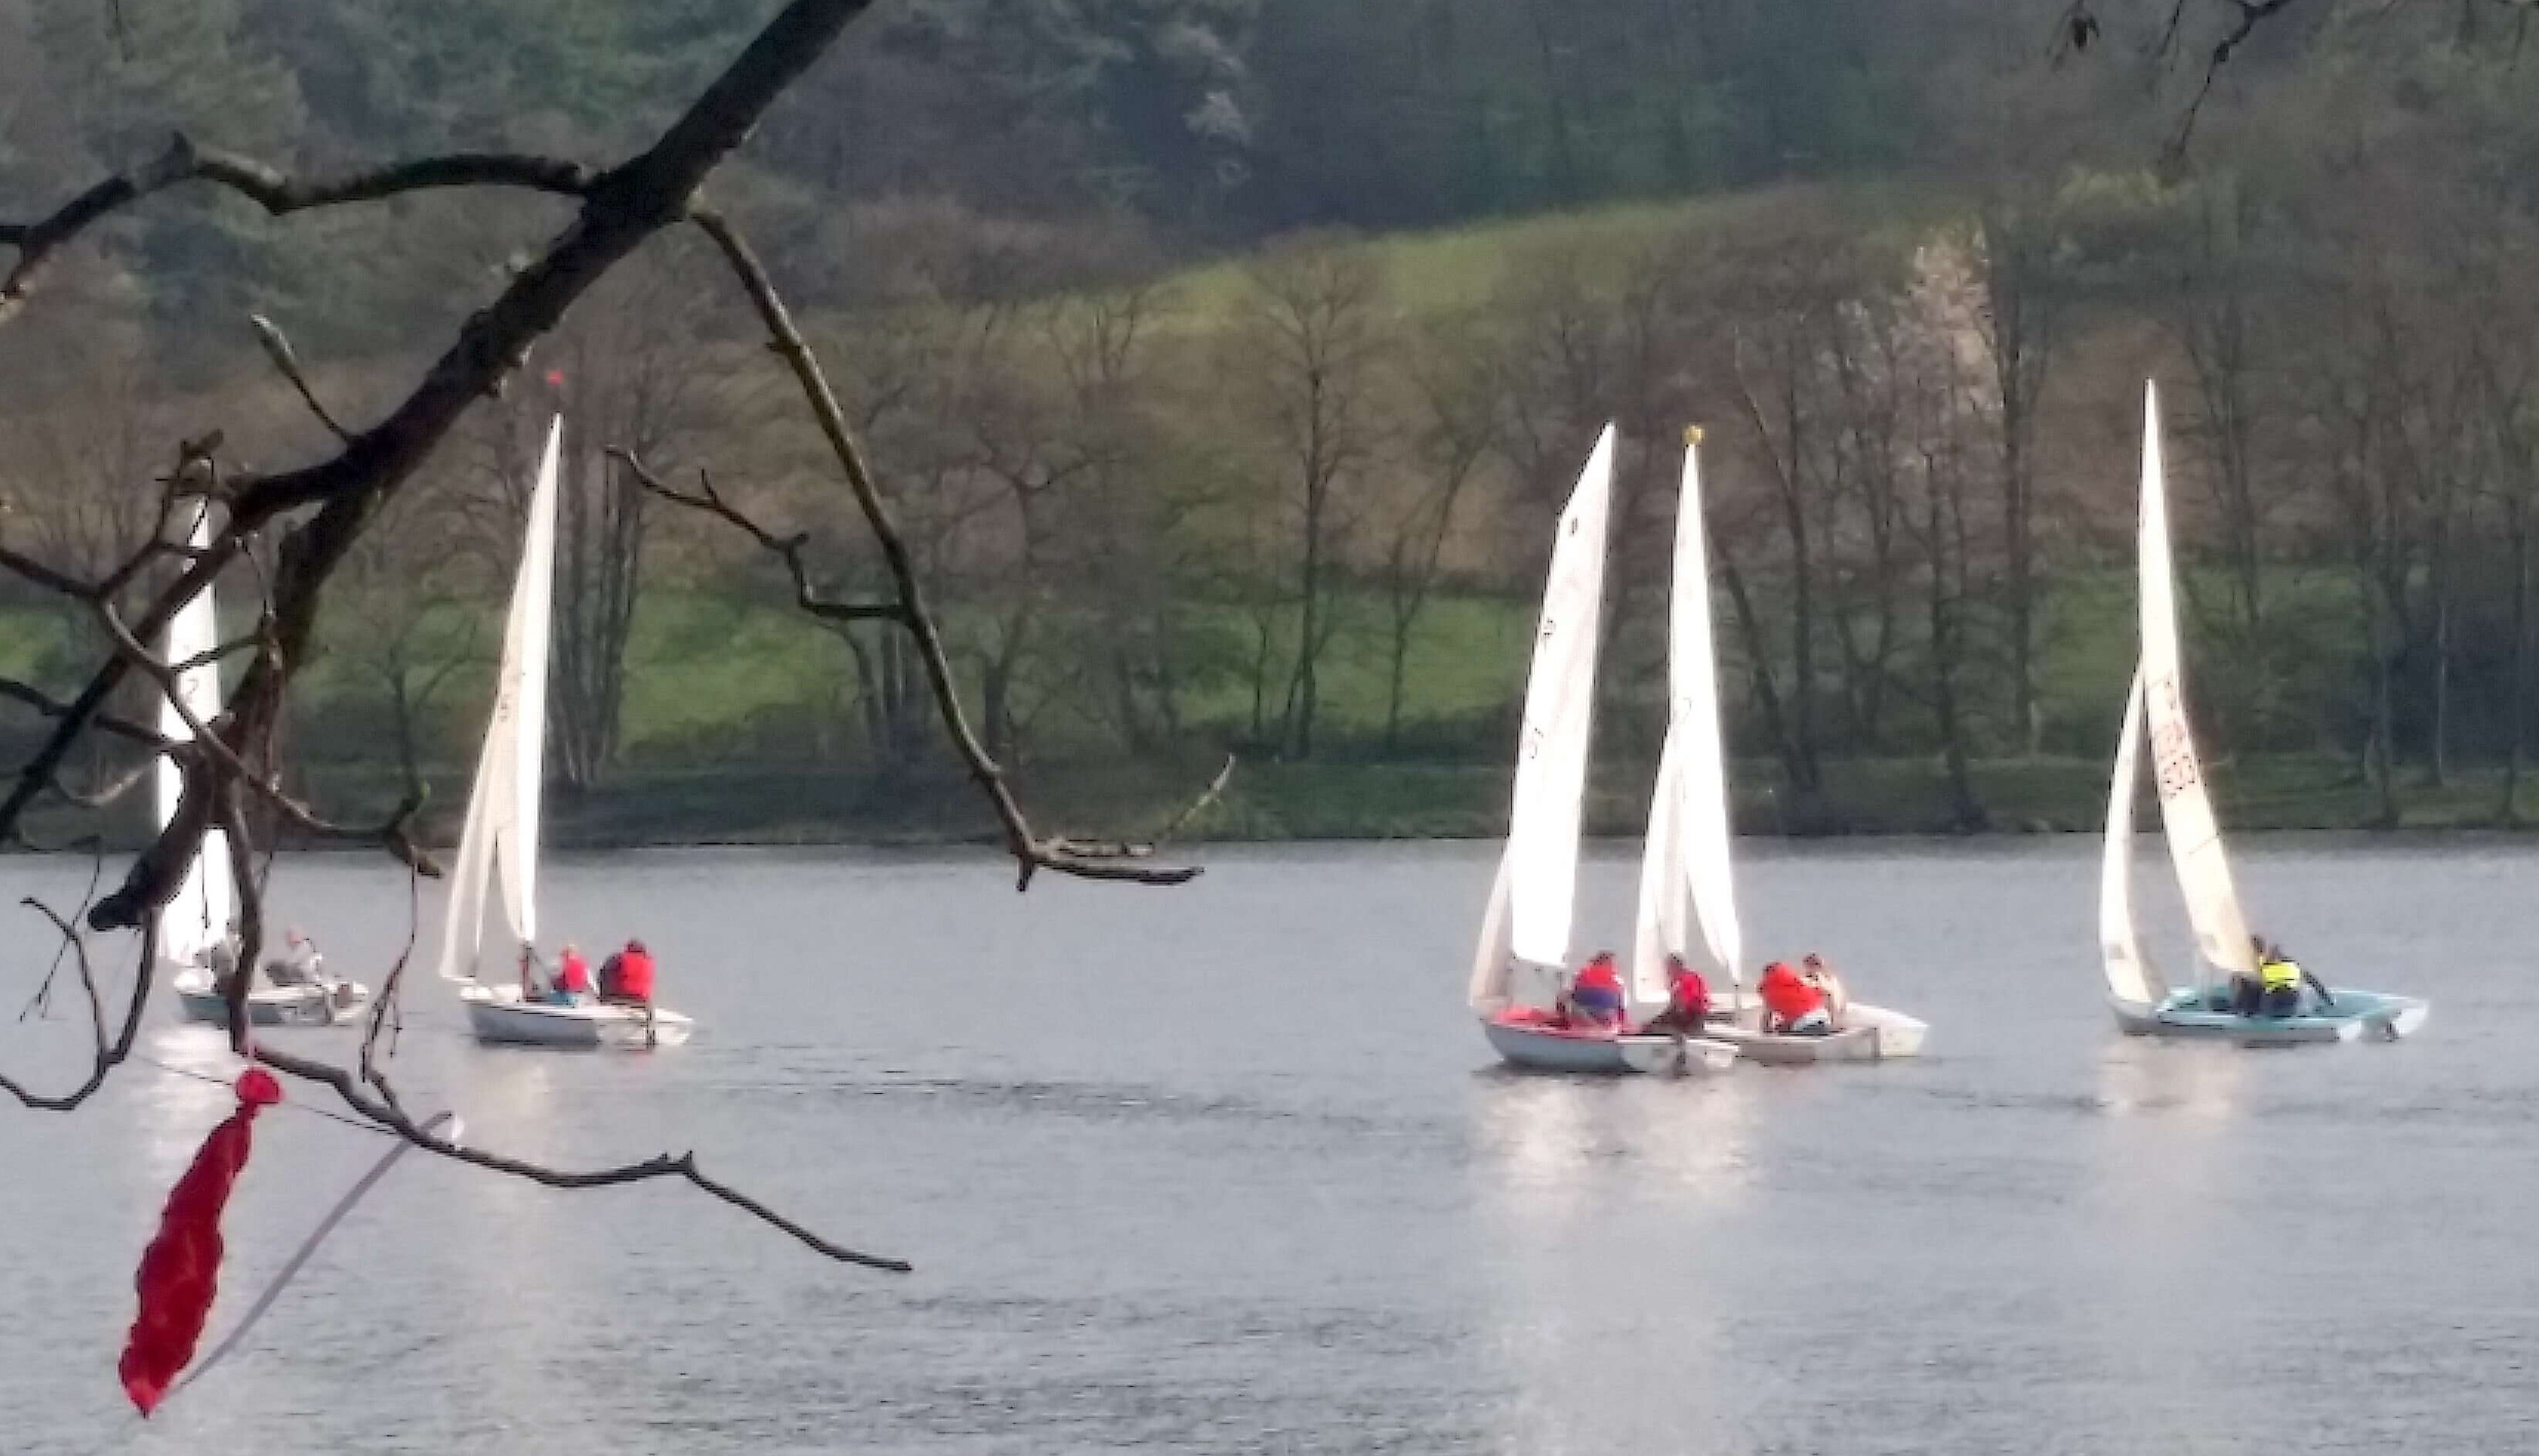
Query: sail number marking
[2172,750]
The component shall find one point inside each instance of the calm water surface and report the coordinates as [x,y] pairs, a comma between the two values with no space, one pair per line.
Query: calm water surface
[1227,1168]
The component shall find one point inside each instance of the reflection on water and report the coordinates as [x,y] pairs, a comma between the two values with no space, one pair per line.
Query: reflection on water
[2173,1081]
[173,1105]
[1196,1171]
[1590,1193]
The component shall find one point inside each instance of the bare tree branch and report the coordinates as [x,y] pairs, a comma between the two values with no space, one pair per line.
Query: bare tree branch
[49,707]
[663,1165]
[37,242]
[232,757]
[108,1055]
[1171,830]
[1030,852]
[787,547]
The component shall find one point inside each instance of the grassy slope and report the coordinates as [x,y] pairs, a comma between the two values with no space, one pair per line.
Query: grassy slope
[716,684]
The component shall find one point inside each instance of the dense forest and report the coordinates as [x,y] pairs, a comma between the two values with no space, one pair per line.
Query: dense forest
[1226,361]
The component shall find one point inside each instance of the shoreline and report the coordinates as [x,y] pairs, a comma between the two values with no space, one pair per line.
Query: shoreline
[1342,801]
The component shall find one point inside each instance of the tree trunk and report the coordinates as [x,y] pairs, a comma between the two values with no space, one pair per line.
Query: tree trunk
[600,543]
[1946,523]
[1796,766]
[2440,756]
[2382,750]
[2022,583]
[1555,90]
[2510,811]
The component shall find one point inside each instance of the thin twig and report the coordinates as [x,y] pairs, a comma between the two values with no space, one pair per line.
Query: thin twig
[277,347]
[788,547]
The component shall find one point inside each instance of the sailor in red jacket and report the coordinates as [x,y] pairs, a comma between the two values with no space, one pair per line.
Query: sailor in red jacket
[1687,1011]
[1595,997]
[573,974]
[1790,1005]
[634,979]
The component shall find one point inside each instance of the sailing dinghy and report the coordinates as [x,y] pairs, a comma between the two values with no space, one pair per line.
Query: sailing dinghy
[197,925]
[1526,929]
[2155,709]
[1686,877]
[497,849]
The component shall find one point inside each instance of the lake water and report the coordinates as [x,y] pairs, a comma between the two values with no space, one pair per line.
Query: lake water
[1227,1168]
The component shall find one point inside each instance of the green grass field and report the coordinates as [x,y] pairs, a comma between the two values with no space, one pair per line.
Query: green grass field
[1441,272]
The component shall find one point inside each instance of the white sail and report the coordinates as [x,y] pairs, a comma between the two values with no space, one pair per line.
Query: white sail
[499,846]
[2131,978]
[1687,888]
[2185,804]
[206,903]
[1533,904]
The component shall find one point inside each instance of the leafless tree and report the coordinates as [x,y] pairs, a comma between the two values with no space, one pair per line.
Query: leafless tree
[1308,344]
[1456,433]
[404,622]
[318,512]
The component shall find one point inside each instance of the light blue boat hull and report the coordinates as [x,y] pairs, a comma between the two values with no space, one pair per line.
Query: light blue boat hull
[2356,1014]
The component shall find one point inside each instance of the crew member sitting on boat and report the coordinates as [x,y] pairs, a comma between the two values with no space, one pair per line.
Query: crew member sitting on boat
[572,977]
[1687,1008]
[221,959]
[626,977]
[1818,973]
[1792,1006]
[2282,978]
[1595,997]
[299,964]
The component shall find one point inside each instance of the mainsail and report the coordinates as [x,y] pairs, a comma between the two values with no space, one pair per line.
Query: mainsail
[1534,898]
[1685,885]
[206,900]
[499,847]
[2185,804]
[2131,978]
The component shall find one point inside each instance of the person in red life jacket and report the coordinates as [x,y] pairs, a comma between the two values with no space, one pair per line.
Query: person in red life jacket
[634,979]
[1687,1009]
[572,977]
[1792,1006]
[1594,1000]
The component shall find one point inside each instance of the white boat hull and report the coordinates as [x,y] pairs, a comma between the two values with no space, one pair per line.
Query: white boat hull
[2357,1014]
[1869,1034]
[269,1006]
[500,1016]
[1545,1049]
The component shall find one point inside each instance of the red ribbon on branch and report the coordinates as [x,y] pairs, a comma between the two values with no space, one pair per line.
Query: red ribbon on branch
[180,1270]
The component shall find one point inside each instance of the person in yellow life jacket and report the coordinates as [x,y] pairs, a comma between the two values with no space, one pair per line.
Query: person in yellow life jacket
[2246,994]
[2280,978]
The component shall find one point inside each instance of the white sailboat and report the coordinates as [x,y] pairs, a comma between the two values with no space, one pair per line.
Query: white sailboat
[1687,882]
[1526,930]
[198,927]
[497,849]
[2157,708]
